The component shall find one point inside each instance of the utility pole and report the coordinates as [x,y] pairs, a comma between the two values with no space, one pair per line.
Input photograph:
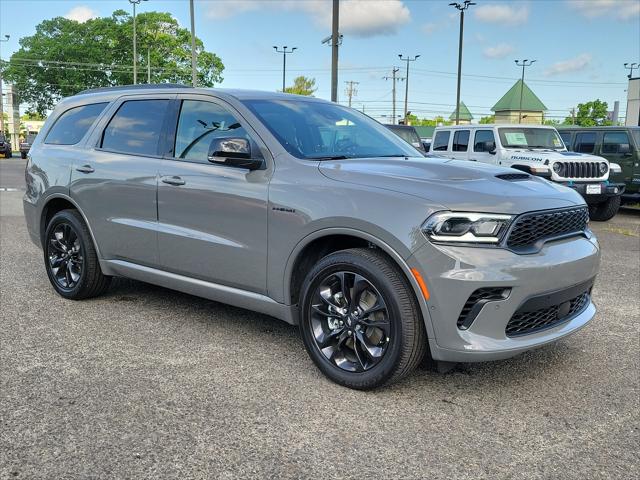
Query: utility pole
[284,53]
[393,91]
[194,74]
[351,90]
[462,7]
[135,53]
[631,67]
[406,85]
[6,39]
[525,63]
[335,40]
[148,65]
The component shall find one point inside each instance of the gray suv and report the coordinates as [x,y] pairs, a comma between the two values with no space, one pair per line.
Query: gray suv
[315,214]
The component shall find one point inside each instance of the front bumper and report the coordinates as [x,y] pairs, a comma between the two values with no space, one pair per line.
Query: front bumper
[607,190]
[454,273]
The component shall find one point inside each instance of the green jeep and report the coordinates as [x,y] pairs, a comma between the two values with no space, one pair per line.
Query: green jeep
[619,145]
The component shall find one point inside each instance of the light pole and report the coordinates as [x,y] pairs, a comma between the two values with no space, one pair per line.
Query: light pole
[5,39]
[135,59]
[525,63]
[631,67]
[462,7]
[284,53]
[194,78]
[406,85]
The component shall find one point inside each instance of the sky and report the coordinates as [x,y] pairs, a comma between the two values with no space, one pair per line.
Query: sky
[580,46]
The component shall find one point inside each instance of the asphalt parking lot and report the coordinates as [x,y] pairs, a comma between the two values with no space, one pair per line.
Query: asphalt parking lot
[149,383]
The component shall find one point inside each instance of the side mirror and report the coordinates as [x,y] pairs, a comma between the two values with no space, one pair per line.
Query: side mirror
[490,147]
[233,152]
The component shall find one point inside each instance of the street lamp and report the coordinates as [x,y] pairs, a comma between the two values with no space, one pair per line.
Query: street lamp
[6,39]
[135,59]
[462,7]
[284,53]
[406,85]
[631,67]
[525,63]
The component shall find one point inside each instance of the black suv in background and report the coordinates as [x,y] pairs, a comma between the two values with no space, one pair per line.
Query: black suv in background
[5,146]
[409,135]
[25,145]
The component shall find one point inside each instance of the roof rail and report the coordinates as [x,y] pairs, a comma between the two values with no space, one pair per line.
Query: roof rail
[142,86]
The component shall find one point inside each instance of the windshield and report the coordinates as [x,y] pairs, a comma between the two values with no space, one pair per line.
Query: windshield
[319,130]
[526,137]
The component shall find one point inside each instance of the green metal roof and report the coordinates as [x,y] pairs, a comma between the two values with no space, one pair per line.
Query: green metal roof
[465,114]
[511,100]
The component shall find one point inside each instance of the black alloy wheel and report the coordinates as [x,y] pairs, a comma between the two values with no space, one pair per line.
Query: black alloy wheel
[65,255]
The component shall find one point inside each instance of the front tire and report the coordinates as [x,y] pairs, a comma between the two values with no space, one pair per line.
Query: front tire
[360,321]
[70,258]
[606,210]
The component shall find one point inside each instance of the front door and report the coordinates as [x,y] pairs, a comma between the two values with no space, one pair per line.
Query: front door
[482,141]
[212,217]
[617,147]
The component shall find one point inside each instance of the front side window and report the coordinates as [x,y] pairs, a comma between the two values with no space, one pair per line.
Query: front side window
[460,141]
[613,141]
[73,124]
[136,127]
[201,122]
[441,141]
[480,141]
[528,137]
[585,142]
[321,130]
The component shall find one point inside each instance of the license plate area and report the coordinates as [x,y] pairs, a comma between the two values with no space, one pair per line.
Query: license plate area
[594,189]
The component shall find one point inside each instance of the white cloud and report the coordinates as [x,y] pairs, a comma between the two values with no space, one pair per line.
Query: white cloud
[362,18]
[575,64]
[620,9]
[502,14]
[81,14]
[499,51]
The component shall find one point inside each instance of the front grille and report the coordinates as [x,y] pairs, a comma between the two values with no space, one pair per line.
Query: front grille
[476,301]
[579,170]
[524,323]
[535,226]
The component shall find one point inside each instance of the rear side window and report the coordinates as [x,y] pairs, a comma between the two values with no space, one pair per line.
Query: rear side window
[136,127]
[585,142]
[612,142]
[566,138]
[480,141]
[73,124]
[440,141]
[461,141]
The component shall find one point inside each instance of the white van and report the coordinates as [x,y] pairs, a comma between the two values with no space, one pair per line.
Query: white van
[537,150]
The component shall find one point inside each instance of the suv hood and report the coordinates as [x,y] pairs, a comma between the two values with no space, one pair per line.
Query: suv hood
[453,184]
[547,157]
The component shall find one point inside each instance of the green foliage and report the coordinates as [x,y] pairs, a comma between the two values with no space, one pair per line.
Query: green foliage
[590,114]
[488,119]
[551,122]
[64,57]
[427,122]
[29,115]
[302,86]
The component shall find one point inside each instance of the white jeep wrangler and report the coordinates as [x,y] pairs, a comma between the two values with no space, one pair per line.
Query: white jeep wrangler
[537,150]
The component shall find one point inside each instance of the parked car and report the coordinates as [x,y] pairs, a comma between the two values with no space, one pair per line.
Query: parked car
[409,135]
[313,213]
[537,150]
[5,147]
[616,144]
[25,145]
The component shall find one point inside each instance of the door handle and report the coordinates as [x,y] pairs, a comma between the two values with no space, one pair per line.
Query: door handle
[85,169]
[175,180]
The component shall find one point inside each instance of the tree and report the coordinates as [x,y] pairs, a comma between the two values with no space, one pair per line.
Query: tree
[488,119]
[590,114]
[64,57]
[302,86]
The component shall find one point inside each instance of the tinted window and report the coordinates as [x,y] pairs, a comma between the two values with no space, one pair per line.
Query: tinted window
[461,141]
[566,138]
[483,136]
[73,124]
[408,134]
[136,127]
[440,141]
[585,142]
[612,142]
[199,124]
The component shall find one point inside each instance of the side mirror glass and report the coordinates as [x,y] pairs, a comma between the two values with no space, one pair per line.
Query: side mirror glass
[234,152]
[490,147]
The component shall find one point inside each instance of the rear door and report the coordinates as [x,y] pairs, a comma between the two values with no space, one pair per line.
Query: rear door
[115,184]
[212,217]
[460,144]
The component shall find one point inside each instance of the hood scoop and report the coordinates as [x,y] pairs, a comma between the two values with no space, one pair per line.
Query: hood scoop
[513,177]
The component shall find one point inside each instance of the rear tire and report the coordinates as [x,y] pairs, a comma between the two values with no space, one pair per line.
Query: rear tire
[70,258]
[384,337]
[606,210]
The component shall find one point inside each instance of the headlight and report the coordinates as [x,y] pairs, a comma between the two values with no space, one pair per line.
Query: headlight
[603,168]
[557,167]
[615,168]
[459,227]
